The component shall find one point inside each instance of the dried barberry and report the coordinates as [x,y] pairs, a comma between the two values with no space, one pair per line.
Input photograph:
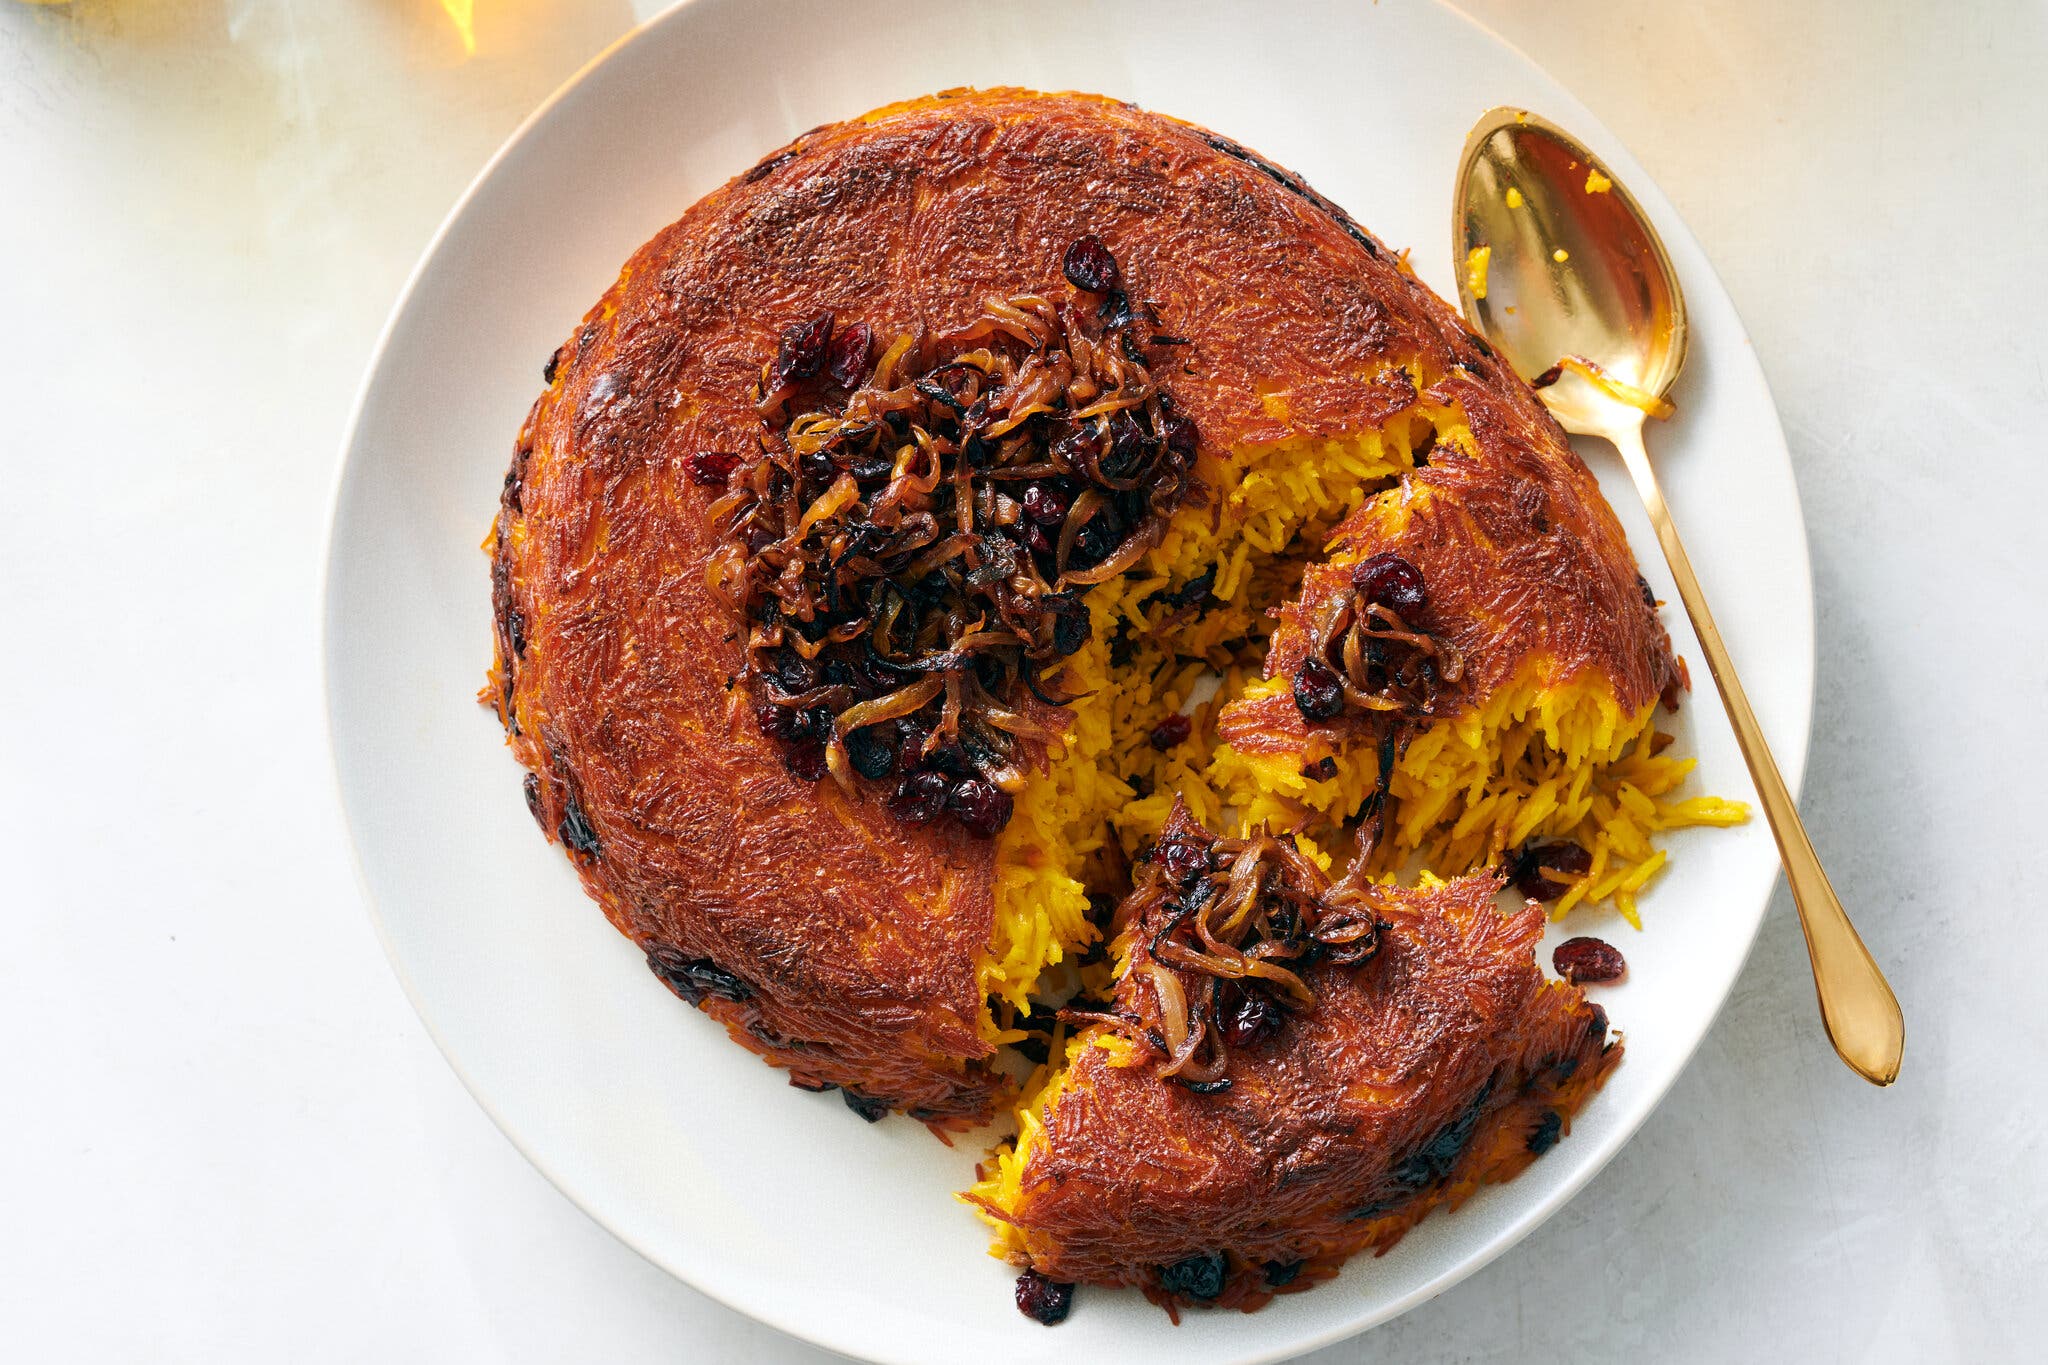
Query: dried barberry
[777,722]
[1247,1017]
[1089,265]
[870,752]
[1200,1276]
[1071,625]
[1194,591]
[801,351]
[1318,693]
[711,468]
[980,806]
[1322,770]
[1182,859]
[1045,504]
[1388,580]
[806,759]
[846,359]
[1531,869]
[554,365]
[920,797]
[530,786]
[1173,730]
[1548,1129]
[1588,961]
[1044,1300]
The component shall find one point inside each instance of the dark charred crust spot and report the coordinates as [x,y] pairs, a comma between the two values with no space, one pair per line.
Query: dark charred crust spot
[1548,1129]
[574,828]
[1433,1162]
[767,165]
[530,786]
[694,978]
[1281,1273]
[553,367]
[1200,1277]
[1295,185]
[867,1106]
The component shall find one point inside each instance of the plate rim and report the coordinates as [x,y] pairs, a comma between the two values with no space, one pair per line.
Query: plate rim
[1792,760]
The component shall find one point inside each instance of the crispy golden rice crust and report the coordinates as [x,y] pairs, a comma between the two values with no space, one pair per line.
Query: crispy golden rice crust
[850,941]
[1445,1062]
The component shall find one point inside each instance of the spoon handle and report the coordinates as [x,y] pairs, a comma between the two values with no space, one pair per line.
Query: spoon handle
[1856,1003]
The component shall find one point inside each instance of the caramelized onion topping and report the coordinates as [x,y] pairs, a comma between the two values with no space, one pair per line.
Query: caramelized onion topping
[1235,924]
[910,547]
[1367,651]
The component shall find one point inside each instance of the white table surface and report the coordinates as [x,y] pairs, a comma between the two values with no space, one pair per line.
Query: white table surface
[225,1137]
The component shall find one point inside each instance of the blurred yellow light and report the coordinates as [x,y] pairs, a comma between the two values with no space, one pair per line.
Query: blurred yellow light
[463,13]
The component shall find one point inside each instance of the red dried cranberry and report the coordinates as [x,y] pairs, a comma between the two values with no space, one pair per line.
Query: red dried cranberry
[1318,694]
[711,468]
[847,359]
[980,806]
[1588,961]
[1037,540]
[1247,1017]
[807,760]
[801,351]
[1388,580]
[1088,265]
[1045,505]
[1171,731]
[1181,437]
[1043,1300]
[920,797]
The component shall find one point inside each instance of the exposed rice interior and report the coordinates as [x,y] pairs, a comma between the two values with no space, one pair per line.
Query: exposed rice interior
[1544,758]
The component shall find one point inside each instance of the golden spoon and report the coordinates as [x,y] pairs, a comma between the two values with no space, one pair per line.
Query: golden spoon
[1559,263]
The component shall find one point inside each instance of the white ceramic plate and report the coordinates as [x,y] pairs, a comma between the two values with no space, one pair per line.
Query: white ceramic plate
[780,1203]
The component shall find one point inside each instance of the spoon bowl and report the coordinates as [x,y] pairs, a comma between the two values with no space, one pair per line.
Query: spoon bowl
[1569,282]
[1570,267]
